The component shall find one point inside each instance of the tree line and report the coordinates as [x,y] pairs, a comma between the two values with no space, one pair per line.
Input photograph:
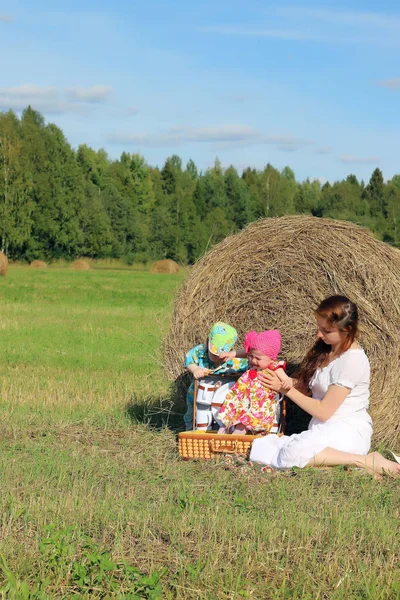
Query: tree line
[57,202]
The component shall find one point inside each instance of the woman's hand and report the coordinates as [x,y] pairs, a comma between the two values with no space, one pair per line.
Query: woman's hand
[270,379]
[320,409]
[287,384]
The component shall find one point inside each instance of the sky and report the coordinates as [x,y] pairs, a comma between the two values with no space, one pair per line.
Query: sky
[312,85]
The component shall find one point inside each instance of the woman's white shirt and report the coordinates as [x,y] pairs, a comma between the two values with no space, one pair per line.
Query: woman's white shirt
[351,370]
[348,430]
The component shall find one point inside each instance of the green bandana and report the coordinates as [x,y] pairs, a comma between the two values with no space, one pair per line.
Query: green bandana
[222,338]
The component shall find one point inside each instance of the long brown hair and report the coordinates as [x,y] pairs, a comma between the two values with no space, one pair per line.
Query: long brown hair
[340,312]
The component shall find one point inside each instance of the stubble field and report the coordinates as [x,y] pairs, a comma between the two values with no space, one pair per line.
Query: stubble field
[95,502]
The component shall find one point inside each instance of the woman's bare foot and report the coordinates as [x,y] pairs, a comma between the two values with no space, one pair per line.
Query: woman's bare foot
[377,465]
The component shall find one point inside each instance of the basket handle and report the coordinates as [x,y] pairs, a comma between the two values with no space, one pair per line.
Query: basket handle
[224,446]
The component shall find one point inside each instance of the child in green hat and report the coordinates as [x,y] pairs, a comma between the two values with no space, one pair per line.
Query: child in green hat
[218,355]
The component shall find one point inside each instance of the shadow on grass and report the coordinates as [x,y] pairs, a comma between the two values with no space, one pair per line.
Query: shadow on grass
[162,411]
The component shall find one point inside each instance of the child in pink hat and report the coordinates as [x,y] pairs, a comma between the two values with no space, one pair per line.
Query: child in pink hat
[249,406]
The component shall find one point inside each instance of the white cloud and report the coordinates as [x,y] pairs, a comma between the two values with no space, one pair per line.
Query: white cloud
[222,133]
[29,91]
[324,150]
[391,84]
[226,135]
[238,98]
[282,34]
[18,98]
[6,18]
[95,93]
[342,17]
[48,100]
[301,36]
[303,23]
[130,111]
[350,159]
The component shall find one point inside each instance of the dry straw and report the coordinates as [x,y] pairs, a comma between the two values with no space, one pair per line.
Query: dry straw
[274,273]
[38,264]
[3,264]
[80,265]
[165,266]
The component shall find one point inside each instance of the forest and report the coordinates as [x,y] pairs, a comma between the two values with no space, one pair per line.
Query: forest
[58,202]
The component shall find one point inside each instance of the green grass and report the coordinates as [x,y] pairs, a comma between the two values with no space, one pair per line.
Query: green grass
[94,504]
[82,341]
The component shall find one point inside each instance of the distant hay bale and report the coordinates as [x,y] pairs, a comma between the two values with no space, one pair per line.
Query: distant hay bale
[3,264]
[38,264]
[165,266]
[80,265]
[274,273]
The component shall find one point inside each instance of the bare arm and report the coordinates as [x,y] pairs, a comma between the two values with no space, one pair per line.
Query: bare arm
[232,354]
[320,409]
[196,371]
[286,381]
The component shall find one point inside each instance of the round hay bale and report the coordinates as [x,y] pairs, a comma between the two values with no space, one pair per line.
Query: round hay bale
[274,273]
[80,265]
[165,266]
[3,264]
[38,264]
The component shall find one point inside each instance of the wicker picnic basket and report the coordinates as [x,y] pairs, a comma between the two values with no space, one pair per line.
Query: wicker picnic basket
[208,444]
[204,444]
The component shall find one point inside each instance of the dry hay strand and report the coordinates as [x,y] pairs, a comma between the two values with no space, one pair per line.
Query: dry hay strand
[165,266]
[274,273]
[80,265]
[38,264]
[3,264]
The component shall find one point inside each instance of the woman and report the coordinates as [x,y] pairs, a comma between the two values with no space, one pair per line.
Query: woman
[336,371]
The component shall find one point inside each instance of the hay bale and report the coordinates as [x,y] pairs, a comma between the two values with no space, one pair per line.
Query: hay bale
[165,266]
[80,265]
[38,264]
[274,273]
[3,264]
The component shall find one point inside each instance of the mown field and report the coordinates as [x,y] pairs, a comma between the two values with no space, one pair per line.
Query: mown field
[95,502]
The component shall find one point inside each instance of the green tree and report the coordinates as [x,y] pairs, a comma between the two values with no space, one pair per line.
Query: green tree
[96,226]
[238,198]
[132,190]
[56,202]
[94,165]
[57,190]
[392,203]
[178,191]
[342,200]
[307,197]
[192,169]
[374,193]
[15,190]
[251,180]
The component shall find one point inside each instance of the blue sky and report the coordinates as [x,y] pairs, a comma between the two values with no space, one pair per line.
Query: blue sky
[313,85]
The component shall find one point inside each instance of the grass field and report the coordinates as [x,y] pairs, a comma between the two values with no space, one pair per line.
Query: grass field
[96,504]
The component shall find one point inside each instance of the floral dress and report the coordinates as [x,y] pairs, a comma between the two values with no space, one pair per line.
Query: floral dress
[251,404]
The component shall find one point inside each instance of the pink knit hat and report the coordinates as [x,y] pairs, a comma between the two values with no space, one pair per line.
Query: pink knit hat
[267,342]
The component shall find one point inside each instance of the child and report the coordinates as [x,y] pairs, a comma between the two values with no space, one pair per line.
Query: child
[248,405]
[217,356]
